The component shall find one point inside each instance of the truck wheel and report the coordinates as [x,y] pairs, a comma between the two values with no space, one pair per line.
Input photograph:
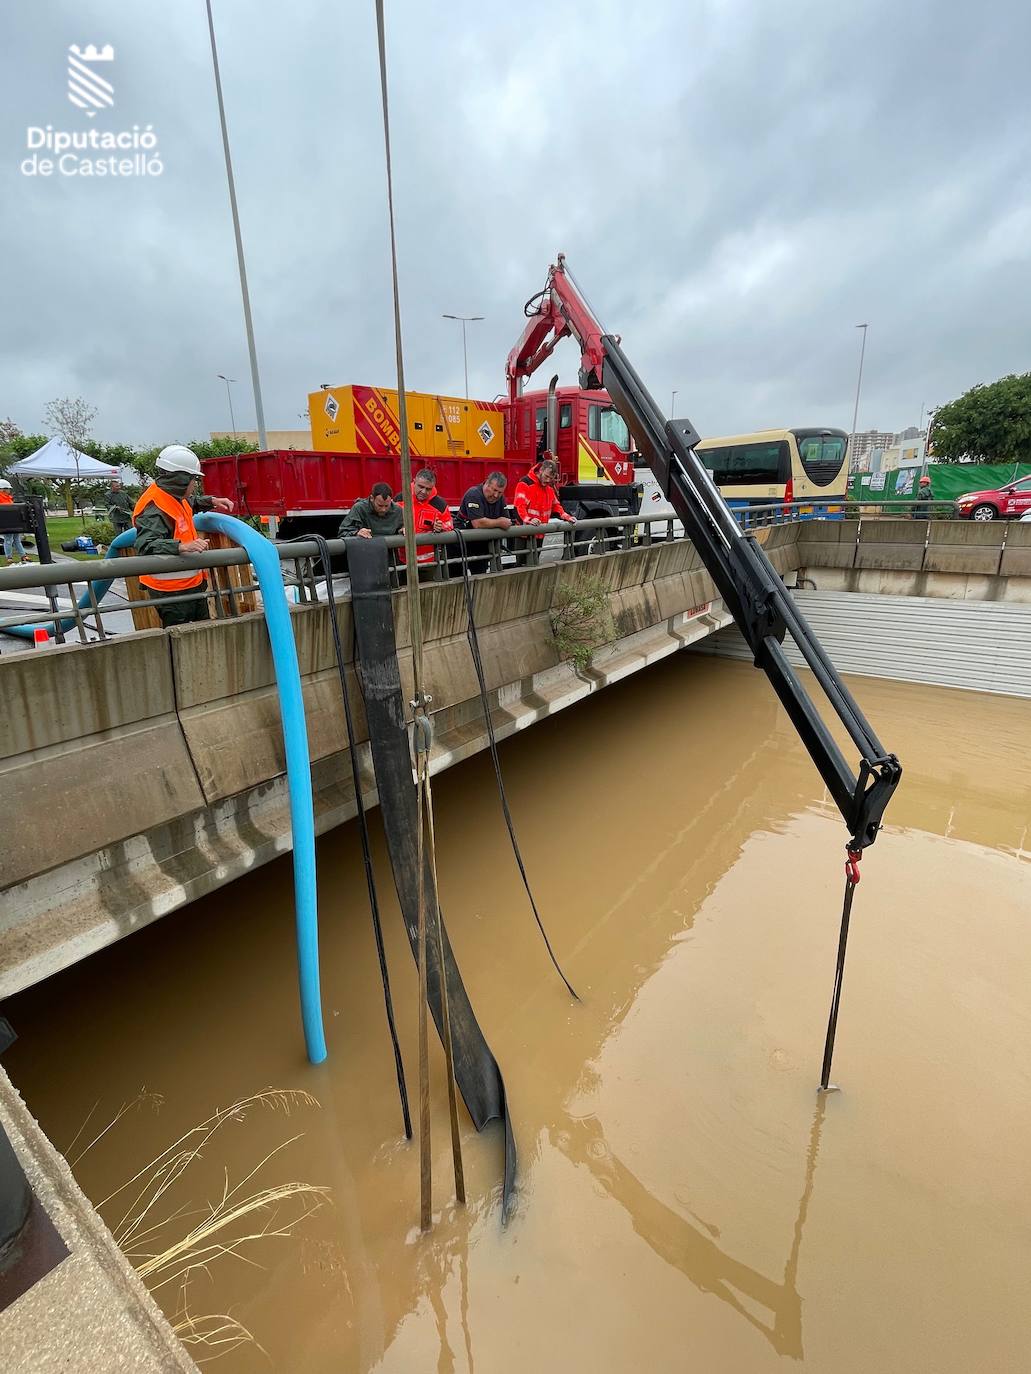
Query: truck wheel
[985,512]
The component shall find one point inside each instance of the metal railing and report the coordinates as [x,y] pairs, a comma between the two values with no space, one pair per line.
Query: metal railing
[519,547]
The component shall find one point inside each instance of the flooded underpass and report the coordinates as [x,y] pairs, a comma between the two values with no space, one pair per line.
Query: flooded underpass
[685,1199]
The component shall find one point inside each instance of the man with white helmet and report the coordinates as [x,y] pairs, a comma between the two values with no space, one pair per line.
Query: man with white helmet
[163,517]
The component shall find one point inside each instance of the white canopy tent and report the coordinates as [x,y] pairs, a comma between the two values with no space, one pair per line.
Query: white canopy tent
[58,461]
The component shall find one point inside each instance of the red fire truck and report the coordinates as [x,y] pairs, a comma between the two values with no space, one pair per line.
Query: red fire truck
[356,442]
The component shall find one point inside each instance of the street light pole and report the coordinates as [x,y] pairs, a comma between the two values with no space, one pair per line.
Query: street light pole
[229,394]
[859,383]
[466,319]
[259,409]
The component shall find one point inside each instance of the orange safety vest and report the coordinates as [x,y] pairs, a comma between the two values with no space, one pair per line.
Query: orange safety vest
[6,499]
[181,515]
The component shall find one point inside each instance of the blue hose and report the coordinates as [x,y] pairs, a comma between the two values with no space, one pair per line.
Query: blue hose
[100,590]
[266,564]
[295,737]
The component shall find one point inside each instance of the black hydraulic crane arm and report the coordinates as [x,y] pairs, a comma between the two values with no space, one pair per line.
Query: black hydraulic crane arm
[746,579]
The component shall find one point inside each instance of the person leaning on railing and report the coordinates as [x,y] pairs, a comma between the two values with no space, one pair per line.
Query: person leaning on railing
[536,499]
[483,508]
[163,517]
[372,516]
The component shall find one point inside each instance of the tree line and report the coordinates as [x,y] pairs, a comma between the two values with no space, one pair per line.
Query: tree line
[990,423]
[72,419]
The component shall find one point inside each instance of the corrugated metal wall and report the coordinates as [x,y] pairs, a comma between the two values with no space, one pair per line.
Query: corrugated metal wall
[984,646]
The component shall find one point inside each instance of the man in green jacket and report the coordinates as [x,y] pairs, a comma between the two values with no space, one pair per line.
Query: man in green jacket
[119,507]
[163,517]
[377,514]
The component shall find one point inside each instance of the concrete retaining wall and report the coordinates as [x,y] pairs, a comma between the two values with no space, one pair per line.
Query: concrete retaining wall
[150,769]
[143,772]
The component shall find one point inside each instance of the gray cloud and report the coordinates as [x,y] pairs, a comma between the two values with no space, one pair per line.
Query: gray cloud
[737,184]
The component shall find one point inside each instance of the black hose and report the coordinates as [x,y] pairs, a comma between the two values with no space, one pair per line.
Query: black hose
[474,648]
[363,826]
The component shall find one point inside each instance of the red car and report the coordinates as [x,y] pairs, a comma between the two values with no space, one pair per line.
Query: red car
[1007,503]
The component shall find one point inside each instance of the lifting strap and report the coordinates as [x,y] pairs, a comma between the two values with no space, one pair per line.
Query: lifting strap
[363,828]
[852,875]
[476,1070]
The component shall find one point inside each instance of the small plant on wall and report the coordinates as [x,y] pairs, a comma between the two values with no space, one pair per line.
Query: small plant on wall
[581,621]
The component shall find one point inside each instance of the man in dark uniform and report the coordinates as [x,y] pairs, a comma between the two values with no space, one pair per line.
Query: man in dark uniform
[372,515]
[119,507]
[163,517]
[483,508]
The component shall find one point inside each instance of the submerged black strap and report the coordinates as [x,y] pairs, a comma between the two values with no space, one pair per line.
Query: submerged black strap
[363,828]
[474,649]
[476,1070]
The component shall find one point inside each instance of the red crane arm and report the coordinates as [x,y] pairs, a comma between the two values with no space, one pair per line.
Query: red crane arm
[559,311]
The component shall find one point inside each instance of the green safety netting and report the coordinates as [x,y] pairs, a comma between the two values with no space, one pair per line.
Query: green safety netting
[947,480]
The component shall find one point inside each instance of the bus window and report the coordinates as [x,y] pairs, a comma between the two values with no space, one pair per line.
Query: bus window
[742,465]
[606,423]
[822,456]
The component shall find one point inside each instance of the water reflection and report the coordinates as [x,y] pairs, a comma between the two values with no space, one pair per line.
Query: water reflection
[689,1249]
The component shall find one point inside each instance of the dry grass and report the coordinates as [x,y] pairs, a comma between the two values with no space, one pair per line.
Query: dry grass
[150,1227]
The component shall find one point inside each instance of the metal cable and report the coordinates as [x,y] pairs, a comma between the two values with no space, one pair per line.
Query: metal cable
[474,648]
[851,881]
[421,716]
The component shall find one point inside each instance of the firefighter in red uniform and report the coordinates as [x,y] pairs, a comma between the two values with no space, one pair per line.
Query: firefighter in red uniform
[430,511]
[536,500]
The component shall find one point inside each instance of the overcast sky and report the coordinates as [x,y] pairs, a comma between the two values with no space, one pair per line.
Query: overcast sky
[737,184]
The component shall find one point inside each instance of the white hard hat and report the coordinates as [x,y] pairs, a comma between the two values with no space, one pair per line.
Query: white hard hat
[178,458]
[4,484]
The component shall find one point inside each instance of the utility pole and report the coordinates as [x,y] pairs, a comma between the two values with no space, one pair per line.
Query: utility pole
[673,406]
[259,409]
[466,319]
[859,383]
[228,380]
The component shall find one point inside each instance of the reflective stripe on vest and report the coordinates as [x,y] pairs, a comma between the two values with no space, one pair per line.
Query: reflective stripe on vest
[181,515]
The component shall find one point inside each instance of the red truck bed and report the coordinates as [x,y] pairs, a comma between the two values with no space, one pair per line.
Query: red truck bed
[285,482]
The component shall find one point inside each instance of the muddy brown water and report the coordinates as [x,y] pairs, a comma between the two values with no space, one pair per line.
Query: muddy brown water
[686,1202]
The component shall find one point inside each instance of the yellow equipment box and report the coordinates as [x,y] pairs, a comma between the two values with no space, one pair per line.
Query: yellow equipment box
[364,420]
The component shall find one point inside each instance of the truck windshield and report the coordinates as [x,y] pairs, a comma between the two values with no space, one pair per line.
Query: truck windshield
[606,423]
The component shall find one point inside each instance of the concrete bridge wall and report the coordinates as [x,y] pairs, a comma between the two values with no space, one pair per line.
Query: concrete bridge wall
[142,772]
[150,769]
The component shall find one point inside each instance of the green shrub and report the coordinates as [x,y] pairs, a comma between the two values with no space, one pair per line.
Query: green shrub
[581,621]
[100,531]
